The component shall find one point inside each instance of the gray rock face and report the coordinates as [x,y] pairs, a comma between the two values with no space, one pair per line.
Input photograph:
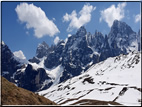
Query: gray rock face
[32,79]
[122,39]
[53,59]
[34,60]
[42,50]
[9,64]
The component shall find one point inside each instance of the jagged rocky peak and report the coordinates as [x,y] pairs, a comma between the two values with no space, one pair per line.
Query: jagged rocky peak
[55,54]
[4,46]
[99,36]
[43,44]
[6,52]
[9,63]
[121,27]
[96,41]
[122,38]
[42,49]
[81,31]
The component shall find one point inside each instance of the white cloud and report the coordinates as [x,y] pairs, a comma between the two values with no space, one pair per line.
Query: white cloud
[35,17]
[112,13]
[56,40]
[78,20]
[137,18]
[19,54]
[69,35]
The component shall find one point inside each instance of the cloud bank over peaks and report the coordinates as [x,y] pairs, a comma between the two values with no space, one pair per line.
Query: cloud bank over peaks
[35,17]
[19,54]
[80,19]
[113,13]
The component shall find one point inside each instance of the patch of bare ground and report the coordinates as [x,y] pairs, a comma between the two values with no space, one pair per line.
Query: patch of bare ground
[13,95]
[94,102]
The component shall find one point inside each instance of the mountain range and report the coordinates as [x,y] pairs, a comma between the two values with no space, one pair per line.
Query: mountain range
[73,57]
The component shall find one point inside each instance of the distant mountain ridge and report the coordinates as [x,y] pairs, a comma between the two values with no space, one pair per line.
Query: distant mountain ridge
[58,63]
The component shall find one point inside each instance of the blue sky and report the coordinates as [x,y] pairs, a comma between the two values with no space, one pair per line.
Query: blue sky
[26,24]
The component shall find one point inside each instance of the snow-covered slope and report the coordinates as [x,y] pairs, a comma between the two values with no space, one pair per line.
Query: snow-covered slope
[117,79]
[54,73]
